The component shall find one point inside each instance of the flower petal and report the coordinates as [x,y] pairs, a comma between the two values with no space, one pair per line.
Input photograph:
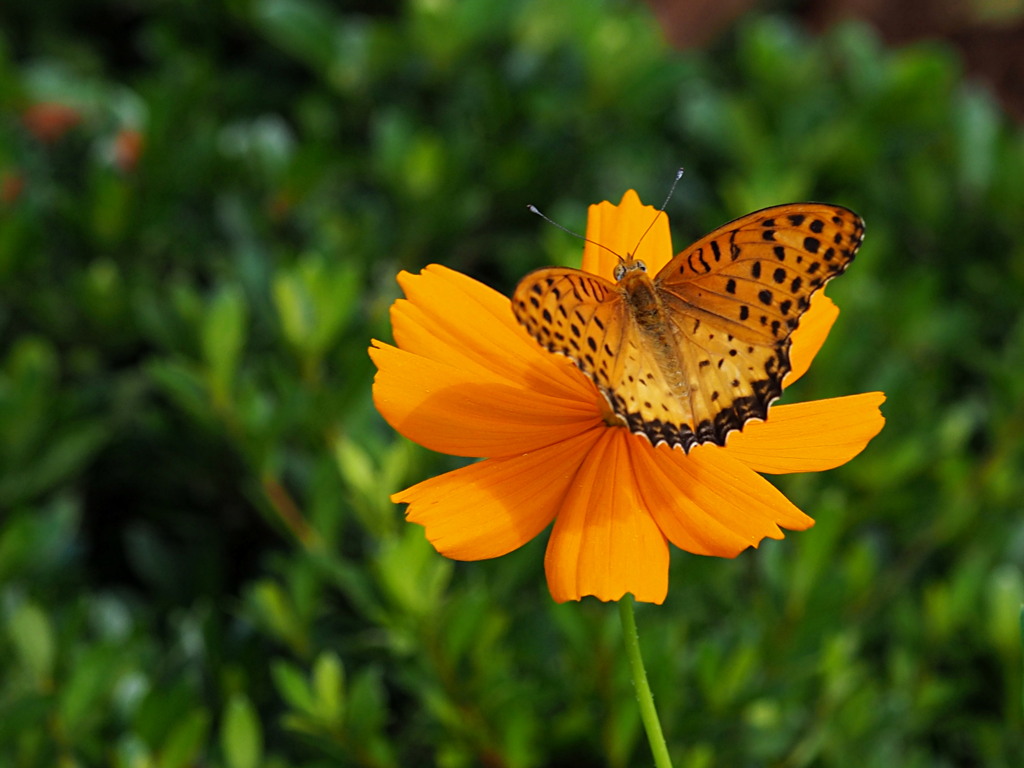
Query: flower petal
[810,335]
[811,436]
[620,229]
[492,507]
[605,542]
[468,412]
[467,379]
[452,318]
[707,503]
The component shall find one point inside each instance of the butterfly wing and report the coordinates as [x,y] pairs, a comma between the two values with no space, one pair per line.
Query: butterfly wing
[734,298]
[573,313]
[717,352]
[586,318]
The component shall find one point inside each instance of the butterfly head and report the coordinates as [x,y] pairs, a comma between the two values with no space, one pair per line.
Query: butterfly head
[627,265]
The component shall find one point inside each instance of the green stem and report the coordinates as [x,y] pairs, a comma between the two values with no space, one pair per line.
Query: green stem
[648,713]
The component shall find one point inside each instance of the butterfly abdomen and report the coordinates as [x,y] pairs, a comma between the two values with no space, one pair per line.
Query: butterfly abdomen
[646,308]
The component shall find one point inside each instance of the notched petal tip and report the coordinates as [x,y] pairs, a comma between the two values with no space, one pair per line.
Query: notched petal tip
[619,229]
[709,504]
[809,337]
[810,437]
[605,542]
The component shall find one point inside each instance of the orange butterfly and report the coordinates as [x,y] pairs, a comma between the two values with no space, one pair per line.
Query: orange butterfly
[700,350]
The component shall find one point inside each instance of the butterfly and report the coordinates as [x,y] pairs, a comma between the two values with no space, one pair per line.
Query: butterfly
[701,349]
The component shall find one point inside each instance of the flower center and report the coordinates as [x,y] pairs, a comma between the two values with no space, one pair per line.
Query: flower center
[610,417]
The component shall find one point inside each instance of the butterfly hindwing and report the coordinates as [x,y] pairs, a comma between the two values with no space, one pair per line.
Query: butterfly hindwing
[731,381]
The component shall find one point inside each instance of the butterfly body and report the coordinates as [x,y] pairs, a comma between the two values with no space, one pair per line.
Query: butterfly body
[698,351]
[643,306]
[641,297]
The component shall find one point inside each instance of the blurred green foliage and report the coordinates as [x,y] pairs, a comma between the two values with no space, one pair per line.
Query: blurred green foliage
[198,561]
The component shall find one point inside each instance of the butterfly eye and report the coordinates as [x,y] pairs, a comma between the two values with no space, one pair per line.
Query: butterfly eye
[641,266]
[620,271]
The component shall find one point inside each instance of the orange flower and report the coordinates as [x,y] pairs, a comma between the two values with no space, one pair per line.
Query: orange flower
[128,145]
[465,379]
[48,121]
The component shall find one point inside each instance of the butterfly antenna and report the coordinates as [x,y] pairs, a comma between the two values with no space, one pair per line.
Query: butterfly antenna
[679,175]
[533,209]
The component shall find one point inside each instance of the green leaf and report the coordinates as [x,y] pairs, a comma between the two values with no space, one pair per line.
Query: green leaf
[367,703]
[32,637]
[369,485]
[315,300]
[412,573]
[367,719]
[182,384]
[86,692]
[223,336]
[293,686]
[1005,595]
[275,610]
[304,29]
[241,737]
[112,206]
[293,308]
[27,388]
[67,452]
[184,744]
[978,124]
[329,684]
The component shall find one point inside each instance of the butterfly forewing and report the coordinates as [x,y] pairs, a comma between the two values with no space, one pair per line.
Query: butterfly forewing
[715,354]
[736,296]
[757,273]
[573,313]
